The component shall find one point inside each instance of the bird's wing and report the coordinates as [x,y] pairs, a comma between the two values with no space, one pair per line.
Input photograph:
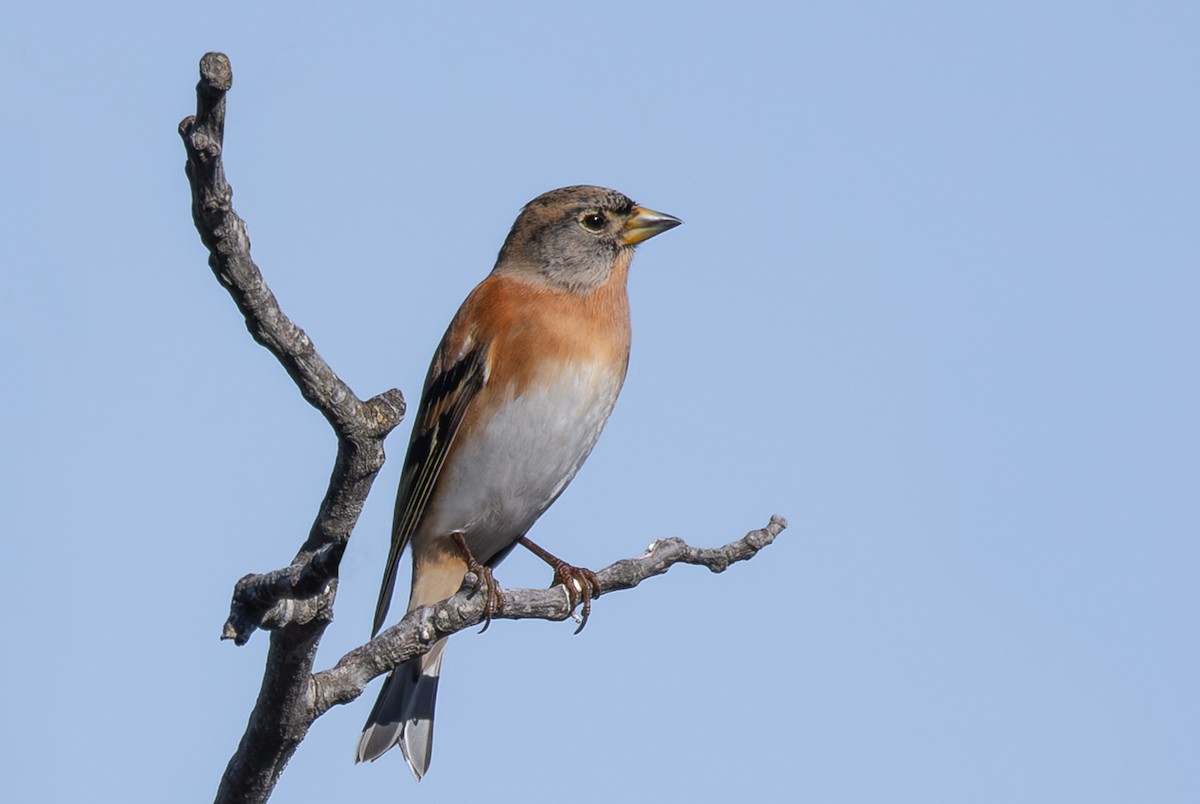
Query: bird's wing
[454,381]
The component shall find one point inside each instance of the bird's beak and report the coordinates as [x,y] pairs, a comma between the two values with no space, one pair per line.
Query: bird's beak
[645,224]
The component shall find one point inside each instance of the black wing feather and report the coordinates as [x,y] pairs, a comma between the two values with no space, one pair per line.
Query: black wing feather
[427,450]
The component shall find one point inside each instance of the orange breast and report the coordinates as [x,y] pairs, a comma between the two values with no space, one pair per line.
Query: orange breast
[533,327]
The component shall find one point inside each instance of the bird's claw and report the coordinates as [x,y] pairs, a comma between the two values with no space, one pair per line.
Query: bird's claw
[485,581]
[493,602]
[582,585]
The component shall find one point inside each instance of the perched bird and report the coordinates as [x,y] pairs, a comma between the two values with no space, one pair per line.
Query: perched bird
[516,396]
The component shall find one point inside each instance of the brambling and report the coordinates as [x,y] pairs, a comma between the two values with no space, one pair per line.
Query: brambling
[516,396]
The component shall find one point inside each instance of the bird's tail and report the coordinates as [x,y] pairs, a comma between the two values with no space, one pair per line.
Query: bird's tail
[403,714]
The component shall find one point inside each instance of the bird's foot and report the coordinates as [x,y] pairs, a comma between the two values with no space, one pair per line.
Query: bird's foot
[485,581]
[581,583]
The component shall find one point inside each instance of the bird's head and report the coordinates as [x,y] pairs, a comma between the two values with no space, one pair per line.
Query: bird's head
[575,236]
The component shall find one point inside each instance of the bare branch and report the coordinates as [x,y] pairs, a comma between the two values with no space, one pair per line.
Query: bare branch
[416,633]
[224,233]
[297,601]
[270,600]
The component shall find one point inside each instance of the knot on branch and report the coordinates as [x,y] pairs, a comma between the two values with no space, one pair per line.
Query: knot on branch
[204,132]
[216,74]
[300,593]
[384,412]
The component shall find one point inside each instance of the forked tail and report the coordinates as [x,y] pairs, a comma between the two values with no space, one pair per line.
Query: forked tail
[403,713]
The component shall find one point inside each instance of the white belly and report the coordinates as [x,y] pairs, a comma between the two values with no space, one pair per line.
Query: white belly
[502,480]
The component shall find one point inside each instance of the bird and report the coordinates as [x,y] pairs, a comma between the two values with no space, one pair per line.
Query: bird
[516,395]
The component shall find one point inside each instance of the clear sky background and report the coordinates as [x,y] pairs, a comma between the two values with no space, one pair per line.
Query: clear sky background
[935,302]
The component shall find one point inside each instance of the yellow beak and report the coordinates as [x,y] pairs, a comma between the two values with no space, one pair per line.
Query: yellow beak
[645,224]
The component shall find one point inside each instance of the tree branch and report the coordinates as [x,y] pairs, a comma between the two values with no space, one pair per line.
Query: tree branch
[295,603]
[224,233]
[420,628]
[269,600]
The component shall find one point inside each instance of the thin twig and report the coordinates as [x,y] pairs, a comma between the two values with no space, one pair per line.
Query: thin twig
[420,628]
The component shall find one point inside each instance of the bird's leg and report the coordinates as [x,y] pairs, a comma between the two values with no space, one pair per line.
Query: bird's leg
[581,583]
[493,602]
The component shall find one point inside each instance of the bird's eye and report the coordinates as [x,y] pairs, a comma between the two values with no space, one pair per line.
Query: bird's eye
[592,221]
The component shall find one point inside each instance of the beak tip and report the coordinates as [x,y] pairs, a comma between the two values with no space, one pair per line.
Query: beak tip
[646,223]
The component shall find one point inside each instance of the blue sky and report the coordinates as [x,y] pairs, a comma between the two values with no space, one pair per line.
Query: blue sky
[935,302]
